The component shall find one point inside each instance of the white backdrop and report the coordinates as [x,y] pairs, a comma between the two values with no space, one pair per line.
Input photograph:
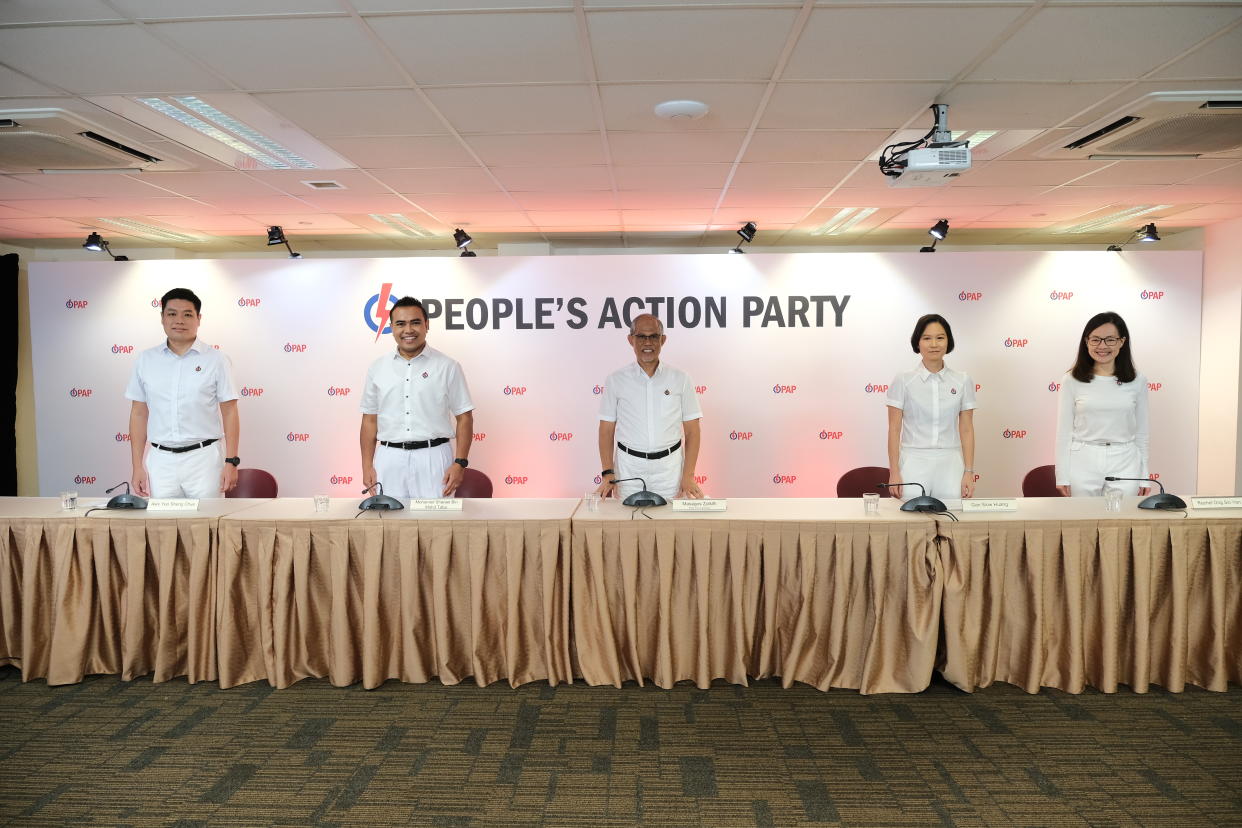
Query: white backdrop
[791,400]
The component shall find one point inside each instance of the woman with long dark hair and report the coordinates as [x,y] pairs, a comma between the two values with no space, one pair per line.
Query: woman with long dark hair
[1102,422]
[931,426]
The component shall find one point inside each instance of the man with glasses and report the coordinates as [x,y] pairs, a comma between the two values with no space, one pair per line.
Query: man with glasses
[649,421]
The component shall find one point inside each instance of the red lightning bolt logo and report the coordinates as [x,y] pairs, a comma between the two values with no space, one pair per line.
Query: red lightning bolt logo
[381,310]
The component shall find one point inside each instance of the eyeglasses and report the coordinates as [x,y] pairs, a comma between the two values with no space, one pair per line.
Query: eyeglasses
[1110,341]
[647,337]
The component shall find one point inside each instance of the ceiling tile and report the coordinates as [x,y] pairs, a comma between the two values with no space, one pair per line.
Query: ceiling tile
[773,198]
[701,43]
[1025,105]
[15,84]
[691,176]
[878,196]
[574,218]
[63,11]
[631,107]
[366,6]
[1023,173]
[1218,59]
[835,45]
[110,206]
[766,217]
[1097,196]
[354,182]
[1039,212]
[168,9]
[308,222]
[333,114]
[276,204]
[385,153]
[778,176]
[1126,173]
[553,178]
[239,225]
[485,48]
[508,109]
[450,180]
[847,106]
[456,203]
[148,65]
[554,202]
[667,199]
[32,212]
[671,148]
[1106,42]
[87,184]
[1212,212]
[285,54]
[814,145]
[12,187]
[1206,193]
[999,196]
[46,227]
[484,221]
[535,150]
[346,202]
[207,184]
[929,215]
[667,218]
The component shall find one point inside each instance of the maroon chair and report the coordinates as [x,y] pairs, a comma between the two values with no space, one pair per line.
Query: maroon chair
[254,483]
[856,482]
[474,483]
[1040,481]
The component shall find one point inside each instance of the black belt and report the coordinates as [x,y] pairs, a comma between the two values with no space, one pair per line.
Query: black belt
[416,444]
[183,449]
[650,455]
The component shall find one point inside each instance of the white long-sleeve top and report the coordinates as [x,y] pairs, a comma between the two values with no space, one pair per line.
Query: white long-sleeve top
[1101,411]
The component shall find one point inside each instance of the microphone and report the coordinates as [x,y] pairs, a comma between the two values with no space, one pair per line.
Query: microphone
[922,503]
[125,501]
[642,497]
[1157,501]
[380,500]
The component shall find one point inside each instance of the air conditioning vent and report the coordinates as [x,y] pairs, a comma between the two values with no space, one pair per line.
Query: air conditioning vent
[1161,125]
[57,139]
[117,145]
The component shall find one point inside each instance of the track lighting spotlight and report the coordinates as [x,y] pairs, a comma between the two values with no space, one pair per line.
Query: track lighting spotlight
[939,230]
[275,235]
[1148,234]
[461,238]
[748,231]
[95,243]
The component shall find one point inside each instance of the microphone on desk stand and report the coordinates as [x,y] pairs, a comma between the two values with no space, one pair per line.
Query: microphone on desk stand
[125,501]
[641,498]
[379,500]
[922,503]
[1156,501]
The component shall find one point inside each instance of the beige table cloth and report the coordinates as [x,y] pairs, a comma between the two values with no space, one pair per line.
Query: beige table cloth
[123,592]
[482,593]
[1061,594]
[807,590]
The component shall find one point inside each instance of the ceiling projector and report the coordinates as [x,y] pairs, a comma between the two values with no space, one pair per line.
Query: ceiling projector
[932,161]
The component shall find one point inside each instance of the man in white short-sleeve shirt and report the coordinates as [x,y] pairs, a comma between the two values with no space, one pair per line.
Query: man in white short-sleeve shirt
[649,421]
[417,416]
[184,402]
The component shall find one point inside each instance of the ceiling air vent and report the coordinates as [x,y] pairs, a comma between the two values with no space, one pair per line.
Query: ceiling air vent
[56,139]
[1161,125]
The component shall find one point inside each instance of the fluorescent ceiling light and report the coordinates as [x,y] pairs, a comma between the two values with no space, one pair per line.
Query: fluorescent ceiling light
[137,228]
[843,220]
[402,225]
[200,107]
[1100,222]
[261,148]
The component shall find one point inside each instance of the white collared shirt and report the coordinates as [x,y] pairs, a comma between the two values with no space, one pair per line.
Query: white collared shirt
[415,399]
[182,393]
[930,405]
[1100,411]
[648,411]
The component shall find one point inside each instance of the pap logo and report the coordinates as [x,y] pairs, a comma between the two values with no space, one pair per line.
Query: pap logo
[1016,343]
[831,435]
[337,391]
[561,436]
[700,479]
[122,349]
[1061,295]
[83,479]
[376,310]
[294,437]
[784,389]
[970,296]
[598,480]
[1154,476]
[515,390]
[480,436]
[295,347]
[515,480]
[340,479]
[248,302]
[1155,386]
[784,479]
[741,435]
[155,303]
[251,392]
[75,304]
[700,389]
[1014,434]
[875,388]
[1054,386]
[1152,294]
[122,438]
[79,392]
[597,390]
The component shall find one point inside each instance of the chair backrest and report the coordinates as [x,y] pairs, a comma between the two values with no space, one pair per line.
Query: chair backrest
[254,483]
[474,483]
[1040,481]
[862,479]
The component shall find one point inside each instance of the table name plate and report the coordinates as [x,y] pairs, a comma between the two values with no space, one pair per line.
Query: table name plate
[1216,503]
[435,504]
[714,504]
[172,504]
[990,504]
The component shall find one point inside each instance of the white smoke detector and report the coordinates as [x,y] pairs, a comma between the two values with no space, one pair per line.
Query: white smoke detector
[681,110]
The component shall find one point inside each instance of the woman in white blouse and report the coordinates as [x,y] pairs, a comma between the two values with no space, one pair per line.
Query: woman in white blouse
[931,426]
[1102,424]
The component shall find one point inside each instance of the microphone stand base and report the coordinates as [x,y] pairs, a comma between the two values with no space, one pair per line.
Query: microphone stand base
[924,503]
[381,501]
[643,499]
[1164,500]
[127,501]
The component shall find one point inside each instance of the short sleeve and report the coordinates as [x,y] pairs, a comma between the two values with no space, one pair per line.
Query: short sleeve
[690,409]
[370,403]
[458,392]
[608,400]
[226,389]
[135,390]
[897,393]
[968,393]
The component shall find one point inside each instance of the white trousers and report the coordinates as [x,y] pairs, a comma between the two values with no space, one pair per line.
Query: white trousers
[187,473]
[418,473]
[663,476]
[1088,466]
[940,471]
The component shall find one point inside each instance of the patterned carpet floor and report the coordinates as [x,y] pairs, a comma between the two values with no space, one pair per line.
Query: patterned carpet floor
[108,752]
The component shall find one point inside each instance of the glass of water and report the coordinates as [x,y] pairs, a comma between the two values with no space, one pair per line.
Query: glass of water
[321,503]
[68,501]
[871,503]
[1112,498]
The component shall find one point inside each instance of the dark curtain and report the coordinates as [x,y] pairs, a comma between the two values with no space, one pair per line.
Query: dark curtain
[8,375]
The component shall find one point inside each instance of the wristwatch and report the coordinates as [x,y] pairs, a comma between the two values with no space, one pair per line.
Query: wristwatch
[461,461]
[235,461]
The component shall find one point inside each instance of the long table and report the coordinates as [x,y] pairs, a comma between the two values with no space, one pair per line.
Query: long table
[1057,594]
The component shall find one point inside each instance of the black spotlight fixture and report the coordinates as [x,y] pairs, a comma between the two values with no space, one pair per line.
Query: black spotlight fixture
[747,232]
[1146,233]
[461,238]
[937,231]
[275,235]
[95,243]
